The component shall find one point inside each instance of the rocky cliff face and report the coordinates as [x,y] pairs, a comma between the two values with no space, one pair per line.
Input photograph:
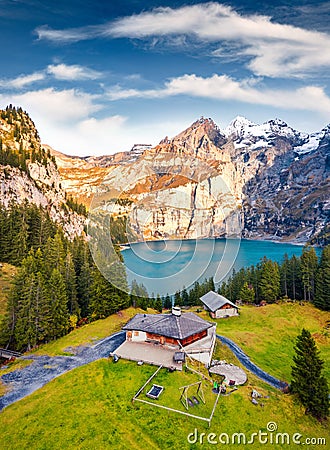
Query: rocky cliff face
[266,181]
[28,173]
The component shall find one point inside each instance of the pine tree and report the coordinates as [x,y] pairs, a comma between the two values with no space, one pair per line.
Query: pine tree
[142,300]
[210,285]
[284,274]
[269,280]
[84,283]
[158,304]
[143,303]
[294,278]
[30,324]
[322,290]
[308,381]
[105,299]
[100,296]
[185,297]
[24,323]
[247,294]
[178,299]
[58,319]
[167,302]
[55,254]
[71,286]
[7,336]
[309,265]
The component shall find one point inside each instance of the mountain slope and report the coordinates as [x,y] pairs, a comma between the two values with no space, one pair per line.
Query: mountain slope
[268,181]
[272,179]
[28,172]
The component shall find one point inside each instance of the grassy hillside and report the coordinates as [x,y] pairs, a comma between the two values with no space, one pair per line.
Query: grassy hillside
[267,334]
[90,407]
[7,273]
[89,333]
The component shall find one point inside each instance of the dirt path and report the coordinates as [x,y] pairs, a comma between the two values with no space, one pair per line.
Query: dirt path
[23,382]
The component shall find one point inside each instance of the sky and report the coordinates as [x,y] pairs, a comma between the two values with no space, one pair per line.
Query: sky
[98,77]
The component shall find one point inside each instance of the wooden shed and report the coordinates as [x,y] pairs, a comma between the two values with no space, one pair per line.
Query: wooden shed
[218,305]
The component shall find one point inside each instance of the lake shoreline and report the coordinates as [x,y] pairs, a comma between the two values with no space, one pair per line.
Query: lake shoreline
[168,268]
[126,246]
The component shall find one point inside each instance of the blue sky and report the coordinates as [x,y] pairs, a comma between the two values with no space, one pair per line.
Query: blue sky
[100,76]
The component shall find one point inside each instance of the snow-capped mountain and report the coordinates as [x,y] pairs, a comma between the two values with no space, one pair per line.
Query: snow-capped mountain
[246,134]
[273,178]
[314,140]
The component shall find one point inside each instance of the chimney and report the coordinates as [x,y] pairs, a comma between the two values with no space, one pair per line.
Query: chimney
[176,311]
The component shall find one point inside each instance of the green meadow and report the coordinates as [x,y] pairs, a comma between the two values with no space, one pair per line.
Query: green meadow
[91,407]
[267,334]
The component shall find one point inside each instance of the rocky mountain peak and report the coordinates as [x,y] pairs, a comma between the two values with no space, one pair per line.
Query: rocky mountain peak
[203,133]
[238,126]
[246,134]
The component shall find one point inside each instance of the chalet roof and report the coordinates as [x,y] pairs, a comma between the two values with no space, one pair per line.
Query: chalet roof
[214,301]
[168,325]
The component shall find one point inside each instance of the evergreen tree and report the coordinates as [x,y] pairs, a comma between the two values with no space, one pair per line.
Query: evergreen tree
[143,303]
[31,313]
[100,295]
[105,299]
[194,294]
[284,275]
[167,302]
[24,323]
[178,299]
[322,291]
[307,380]
[210,285]
[7,336]
[247,294]
[84,283]
[55,254]
[309,265]
[158,304]
[269,280]
[294,278]
[185,297]
[58,314]
[71,286]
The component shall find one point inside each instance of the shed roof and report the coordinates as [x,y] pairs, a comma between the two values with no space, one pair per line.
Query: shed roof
[214,301]
[168,325]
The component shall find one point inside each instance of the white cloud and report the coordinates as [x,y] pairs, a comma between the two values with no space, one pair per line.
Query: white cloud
[51,105]
[22,80]
[222,87]
[69,35]
[58,71]
[109,135]
[72,72]
[272,49]
[65,120]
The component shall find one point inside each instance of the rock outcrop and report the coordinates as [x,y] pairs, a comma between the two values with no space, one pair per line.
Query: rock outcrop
[28,173]
[265,181]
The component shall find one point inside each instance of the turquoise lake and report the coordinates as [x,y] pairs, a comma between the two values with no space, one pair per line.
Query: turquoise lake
[167,266]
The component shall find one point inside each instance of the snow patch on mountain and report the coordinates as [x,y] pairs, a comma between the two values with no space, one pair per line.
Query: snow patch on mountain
[311,143]
[245,133]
